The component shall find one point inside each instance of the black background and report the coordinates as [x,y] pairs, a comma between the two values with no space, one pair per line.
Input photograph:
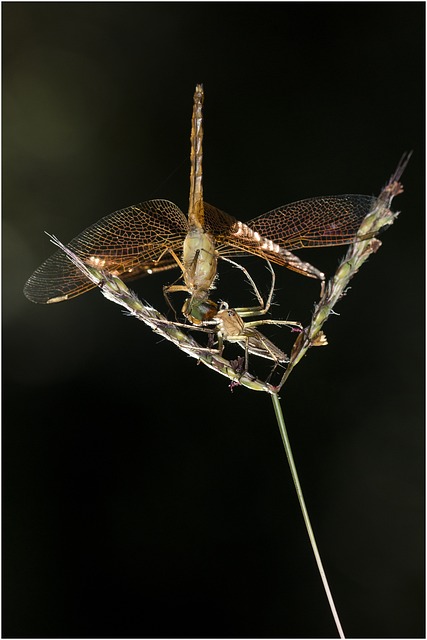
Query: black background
[140,496]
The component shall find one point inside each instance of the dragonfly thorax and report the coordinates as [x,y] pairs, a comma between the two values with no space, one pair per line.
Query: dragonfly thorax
[199,260]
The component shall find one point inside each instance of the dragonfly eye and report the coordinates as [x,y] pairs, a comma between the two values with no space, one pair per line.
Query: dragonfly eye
[197,311]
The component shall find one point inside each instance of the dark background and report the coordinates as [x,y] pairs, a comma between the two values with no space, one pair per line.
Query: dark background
[140,497]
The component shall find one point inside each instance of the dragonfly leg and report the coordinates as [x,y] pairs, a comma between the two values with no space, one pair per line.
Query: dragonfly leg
[174,256]
[172,288]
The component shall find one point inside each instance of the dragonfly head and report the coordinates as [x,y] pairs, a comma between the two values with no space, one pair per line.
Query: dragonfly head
[198,311]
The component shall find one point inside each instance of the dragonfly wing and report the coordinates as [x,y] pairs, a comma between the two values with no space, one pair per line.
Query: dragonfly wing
[129,243]
[315,222]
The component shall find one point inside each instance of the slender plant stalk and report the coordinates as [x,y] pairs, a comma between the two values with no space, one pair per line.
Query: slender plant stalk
[379,218]
[287,445]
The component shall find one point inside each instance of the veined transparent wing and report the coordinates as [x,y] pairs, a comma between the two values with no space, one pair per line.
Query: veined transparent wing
[137,240]
[129,243]
[316,222]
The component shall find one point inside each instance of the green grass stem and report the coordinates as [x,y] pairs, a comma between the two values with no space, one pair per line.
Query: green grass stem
[287,445]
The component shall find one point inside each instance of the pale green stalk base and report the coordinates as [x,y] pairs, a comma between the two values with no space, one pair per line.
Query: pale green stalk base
[282,427]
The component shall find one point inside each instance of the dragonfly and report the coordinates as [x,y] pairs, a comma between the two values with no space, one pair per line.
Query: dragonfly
[156,236]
